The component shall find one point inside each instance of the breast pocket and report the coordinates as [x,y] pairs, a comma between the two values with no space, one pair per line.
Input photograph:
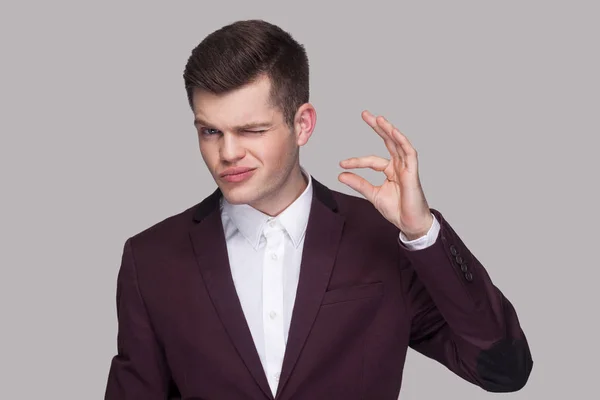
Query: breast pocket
[350,293]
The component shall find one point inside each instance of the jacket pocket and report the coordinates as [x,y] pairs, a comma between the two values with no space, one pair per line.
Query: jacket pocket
[350,293]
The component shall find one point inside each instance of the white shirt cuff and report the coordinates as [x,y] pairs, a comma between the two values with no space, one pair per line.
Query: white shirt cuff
[424,241]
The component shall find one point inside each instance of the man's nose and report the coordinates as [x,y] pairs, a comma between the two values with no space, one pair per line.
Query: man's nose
[231,148]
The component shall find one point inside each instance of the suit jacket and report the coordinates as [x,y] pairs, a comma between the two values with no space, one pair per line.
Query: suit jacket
[362,300]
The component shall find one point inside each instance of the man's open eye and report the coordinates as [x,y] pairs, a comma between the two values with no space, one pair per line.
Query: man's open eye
[209,131]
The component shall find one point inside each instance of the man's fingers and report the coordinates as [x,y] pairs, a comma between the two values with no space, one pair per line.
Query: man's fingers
[358,183]
[371,120]
[403,146]
[374,162]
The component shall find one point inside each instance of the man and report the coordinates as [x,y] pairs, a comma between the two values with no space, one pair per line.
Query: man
[275,286]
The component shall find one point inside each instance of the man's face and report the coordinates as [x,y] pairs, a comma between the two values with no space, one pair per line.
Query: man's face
[240,129]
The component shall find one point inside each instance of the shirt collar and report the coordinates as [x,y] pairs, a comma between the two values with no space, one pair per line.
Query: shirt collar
[250,222]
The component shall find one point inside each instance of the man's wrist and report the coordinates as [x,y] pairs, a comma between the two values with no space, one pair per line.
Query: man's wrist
[421,233]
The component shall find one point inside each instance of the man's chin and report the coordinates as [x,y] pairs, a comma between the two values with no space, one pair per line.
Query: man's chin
[236,195]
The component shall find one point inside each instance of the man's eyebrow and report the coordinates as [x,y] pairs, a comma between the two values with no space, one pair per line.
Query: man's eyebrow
[249,125]
[199,121]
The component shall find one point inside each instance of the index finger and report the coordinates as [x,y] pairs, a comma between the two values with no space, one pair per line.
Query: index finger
[371,120]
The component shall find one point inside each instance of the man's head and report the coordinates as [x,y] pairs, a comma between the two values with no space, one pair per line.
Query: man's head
[245,73]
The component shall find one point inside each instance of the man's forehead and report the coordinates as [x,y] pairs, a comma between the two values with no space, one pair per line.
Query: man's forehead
[232,112]
[242,106]
[255,92]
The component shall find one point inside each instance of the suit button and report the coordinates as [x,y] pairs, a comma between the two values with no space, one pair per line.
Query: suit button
[453,250]
[469,276]
[459,259]
[463,267]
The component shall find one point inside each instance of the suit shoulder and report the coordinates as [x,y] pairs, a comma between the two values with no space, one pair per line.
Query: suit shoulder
[360,210]
[170,227]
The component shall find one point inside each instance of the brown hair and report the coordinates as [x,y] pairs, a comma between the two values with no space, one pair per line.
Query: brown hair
[238,53]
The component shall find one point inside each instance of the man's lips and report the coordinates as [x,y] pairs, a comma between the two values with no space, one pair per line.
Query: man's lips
[235,171]
[237,175]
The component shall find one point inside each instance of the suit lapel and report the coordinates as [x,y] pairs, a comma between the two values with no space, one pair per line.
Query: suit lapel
[323,234]
[209,244]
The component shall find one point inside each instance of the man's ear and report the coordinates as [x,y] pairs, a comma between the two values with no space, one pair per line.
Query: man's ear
[304,123]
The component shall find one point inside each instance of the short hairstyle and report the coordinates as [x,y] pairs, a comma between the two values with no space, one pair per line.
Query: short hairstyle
[241,52]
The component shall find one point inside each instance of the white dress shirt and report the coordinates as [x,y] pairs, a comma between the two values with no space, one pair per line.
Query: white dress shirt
[264,256]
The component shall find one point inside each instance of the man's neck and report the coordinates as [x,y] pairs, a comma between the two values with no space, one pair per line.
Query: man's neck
[297,183]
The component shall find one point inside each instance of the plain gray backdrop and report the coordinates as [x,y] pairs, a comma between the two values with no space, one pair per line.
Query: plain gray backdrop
[500,99]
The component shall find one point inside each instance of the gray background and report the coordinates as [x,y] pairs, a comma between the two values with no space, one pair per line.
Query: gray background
[500,99]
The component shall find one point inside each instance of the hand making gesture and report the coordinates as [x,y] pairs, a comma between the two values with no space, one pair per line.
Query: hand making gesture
[400,199]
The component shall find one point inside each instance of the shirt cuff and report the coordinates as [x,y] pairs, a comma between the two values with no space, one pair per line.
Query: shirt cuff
[424,241]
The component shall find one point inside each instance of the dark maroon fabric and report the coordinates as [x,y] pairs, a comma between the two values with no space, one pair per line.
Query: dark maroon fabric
[362,300]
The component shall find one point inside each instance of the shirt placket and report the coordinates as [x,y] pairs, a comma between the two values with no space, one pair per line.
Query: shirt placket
[272,294]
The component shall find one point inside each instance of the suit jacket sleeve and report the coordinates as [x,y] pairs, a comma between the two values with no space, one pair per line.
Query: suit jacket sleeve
[460,318]
[138,371]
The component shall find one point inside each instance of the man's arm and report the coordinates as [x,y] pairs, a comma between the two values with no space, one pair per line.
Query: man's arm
[424,241]
[460,318]
[138,371]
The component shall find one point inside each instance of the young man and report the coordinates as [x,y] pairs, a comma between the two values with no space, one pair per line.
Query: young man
[275,286]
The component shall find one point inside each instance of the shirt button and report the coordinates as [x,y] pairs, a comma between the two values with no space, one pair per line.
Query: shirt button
[272,314]
[272,224]
[277,377]
[274,256]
